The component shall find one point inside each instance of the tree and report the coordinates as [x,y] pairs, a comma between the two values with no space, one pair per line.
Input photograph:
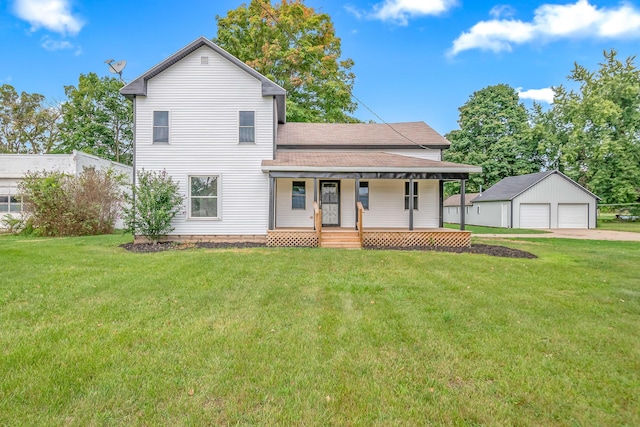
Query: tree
[27,124]
[494,133]
[297,48]
[593,134]
[97,120]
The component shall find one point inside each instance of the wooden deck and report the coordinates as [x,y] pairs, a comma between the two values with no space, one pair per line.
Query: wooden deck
[371,237]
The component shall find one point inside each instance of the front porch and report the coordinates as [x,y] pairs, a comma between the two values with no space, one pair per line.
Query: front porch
[369,238]
[362,237]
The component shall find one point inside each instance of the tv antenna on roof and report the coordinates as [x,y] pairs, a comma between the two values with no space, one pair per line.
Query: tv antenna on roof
[116,67]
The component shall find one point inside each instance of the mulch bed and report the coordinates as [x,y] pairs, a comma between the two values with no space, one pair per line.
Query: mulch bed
[492,250]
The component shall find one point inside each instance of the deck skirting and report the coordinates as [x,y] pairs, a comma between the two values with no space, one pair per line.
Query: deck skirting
[378,238]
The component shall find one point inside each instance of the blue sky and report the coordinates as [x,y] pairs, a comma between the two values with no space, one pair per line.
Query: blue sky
[415,59]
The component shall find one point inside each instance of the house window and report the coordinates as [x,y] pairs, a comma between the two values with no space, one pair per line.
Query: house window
[298,195]
[478,210]
[247,126]
[363,194]
[160,126]
[415,195]
[203,195]
[10,204]
[467,209]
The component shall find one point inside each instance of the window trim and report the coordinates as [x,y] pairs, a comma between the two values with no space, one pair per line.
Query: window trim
[153,127]
[218,197]
[368,187]
[415,195]
[302,196]
[240,127]
[18,201]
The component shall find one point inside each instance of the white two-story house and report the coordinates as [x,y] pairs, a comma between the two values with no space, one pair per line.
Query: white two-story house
[219,128]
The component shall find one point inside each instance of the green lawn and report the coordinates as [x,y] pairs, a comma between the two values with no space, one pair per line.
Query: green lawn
[479,229]
[93,335]
[633,226]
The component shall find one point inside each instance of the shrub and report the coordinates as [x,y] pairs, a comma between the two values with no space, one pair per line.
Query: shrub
[63,205]
[154,203]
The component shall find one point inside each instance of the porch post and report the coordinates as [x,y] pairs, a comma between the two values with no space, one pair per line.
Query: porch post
[462,204]
[315,190]
[357,192]
[411,204]
[441,210]
[272,205]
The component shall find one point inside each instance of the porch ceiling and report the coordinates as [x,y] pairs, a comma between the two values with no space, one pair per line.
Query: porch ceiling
[359,162]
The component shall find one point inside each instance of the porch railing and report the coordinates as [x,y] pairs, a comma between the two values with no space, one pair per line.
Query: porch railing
[317,221]
[359,221]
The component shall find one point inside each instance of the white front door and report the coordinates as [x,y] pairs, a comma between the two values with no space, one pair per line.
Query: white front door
[330,203]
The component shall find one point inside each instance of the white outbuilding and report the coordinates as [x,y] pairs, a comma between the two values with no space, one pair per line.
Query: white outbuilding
[538,200]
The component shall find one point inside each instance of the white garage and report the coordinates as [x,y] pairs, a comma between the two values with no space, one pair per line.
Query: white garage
[537,200]
[534,215]
[573,215]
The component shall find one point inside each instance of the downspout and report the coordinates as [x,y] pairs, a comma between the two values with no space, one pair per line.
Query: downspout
[462,204]
[133,178]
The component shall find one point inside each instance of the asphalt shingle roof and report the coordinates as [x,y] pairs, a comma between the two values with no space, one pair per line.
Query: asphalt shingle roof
[455,199]
[360,135]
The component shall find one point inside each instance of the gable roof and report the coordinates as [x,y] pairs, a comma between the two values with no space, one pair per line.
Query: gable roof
[455,199]
[138,87]
[359,135]
[511,187]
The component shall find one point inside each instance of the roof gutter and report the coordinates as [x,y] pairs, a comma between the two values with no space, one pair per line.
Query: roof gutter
[470,169]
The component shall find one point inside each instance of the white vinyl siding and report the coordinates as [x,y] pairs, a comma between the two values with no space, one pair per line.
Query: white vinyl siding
[573,215]
[204,104]
[286,216]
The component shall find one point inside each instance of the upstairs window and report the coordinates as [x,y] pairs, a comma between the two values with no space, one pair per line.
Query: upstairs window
[247,127]
[363,194]
[298,195]
[160,126]
[415,195]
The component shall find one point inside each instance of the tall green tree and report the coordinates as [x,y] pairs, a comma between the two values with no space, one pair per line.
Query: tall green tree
[494,133]
[592,133]
[97,120]
[298,49]
[27,123]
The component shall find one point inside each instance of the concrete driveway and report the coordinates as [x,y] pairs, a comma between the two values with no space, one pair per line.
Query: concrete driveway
[574,233]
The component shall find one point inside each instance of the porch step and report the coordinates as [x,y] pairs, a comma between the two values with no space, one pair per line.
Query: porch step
[340,239]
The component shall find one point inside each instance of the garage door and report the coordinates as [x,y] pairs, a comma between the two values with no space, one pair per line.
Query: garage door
[534,215]
[573,215]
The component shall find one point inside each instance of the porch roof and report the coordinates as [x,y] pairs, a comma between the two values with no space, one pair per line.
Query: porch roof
[359,136]
[326,161]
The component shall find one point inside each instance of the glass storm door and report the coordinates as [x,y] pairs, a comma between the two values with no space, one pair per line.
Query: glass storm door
[330,202]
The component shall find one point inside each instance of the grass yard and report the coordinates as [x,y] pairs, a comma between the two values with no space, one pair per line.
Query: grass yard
[633,226]
[479,229]
[93,335]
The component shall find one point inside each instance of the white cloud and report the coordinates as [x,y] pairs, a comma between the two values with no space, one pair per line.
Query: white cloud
[400,11]
[54,15]
[502,11]
[541,95]
[53,45]
[577,20]
[6,79]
